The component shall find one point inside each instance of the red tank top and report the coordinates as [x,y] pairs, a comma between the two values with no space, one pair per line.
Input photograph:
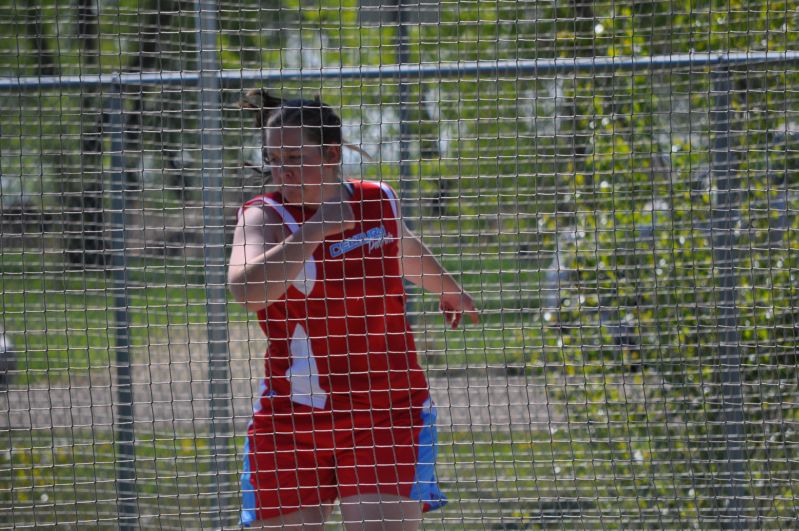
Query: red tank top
[338,339]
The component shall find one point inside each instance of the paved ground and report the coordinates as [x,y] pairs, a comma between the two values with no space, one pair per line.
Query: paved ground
[464,404]
[171,393]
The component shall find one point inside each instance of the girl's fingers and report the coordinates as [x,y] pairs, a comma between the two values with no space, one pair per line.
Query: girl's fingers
[453,313]
[453,317]
[449,313]
[471,311]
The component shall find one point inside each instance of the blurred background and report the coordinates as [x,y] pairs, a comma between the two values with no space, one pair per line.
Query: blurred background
[616,182]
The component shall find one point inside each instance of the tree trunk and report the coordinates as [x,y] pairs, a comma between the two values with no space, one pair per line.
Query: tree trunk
[44,55]
[84,204]
[148,57]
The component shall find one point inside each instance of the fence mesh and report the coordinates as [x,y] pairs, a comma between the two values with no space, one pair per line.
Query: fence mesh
[627,229]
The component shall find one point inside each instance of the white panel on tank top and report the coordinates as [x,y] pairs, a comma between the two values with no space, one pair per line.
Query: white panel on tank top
[393,200]
[305,279]
[263,391]
[303,374]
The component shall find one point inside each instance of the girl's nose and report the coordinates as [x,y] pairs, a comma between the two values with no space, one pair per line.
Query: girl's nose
[288,172]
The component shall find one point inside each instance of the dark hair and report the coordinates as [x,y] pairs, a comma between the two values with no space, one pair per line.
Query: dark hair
[319,121]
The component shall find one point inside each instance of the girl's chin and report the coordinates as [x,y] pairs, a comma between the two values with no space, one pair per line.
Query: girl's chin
[297,194]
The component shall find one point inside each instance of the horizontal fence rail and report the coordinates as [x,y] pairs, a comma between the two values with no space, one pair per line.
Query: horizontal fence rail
[411,71]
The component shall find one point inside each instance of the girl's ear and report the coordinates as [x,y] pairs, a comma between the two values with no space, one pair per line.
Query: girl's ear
[332,154]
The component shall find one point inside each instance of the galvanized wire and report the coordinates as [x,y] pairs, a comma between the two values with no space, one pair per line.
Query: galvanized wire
[617,186]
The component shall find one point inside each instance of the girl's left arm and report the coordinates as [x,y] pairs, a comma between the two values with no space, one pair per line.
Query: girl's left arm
[420,267]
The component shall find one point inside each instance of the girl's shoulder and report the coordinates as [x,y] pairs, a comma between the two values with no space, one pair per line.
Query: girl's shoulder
[378,192]
[271,199]
[376,188]
[260,199]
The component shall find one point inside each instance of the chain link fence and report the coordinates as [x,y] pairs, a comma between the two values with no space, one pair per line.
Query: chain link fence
[616,184]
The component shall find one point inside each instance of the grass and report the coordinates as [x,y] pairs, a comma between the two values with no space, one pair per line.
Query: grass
[64,322]
[580,477]
[64,478]
[613,473]
[61,321]
[585,477]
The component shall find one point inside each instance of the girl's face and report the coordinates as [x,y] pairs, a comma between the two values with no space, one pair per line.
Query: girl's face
[300,168]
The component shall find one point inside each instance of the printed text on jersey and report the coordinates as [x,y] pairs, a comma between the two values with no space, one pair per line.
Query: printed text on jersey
[374,238]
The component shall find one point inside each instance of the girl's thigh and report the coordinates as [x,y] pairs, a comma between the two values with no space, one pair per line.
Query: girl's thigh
[384,512]
[306,519]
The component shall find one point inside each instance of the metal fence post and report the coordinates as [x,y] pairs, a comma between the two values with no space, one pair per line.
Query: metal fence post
[214,250]
[405,184]
[125,461]
[404,96]
[726,258]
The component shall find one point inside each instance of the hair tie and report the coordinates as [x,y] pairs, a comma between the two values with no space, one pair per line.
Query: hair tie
[358,149]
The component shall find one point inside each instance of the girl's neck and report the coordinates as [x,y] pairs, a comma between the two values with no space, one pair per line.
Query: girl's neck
[330,190]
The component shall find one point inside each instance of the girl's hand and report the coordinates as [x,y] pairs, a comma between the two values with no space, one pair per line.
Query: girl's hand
[454,305]
[335,215]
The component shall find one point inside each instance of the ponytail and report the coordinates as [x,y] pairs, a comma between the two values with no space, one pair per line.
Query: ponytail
[319,120]
[261,101]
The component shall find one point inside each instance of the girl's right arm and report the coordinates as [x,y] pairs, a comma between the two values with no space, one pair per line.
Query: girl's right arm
[262,262]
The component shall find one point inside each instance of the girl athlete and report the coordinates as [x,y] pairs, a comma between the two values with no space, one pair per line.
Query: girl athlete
[344,410]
